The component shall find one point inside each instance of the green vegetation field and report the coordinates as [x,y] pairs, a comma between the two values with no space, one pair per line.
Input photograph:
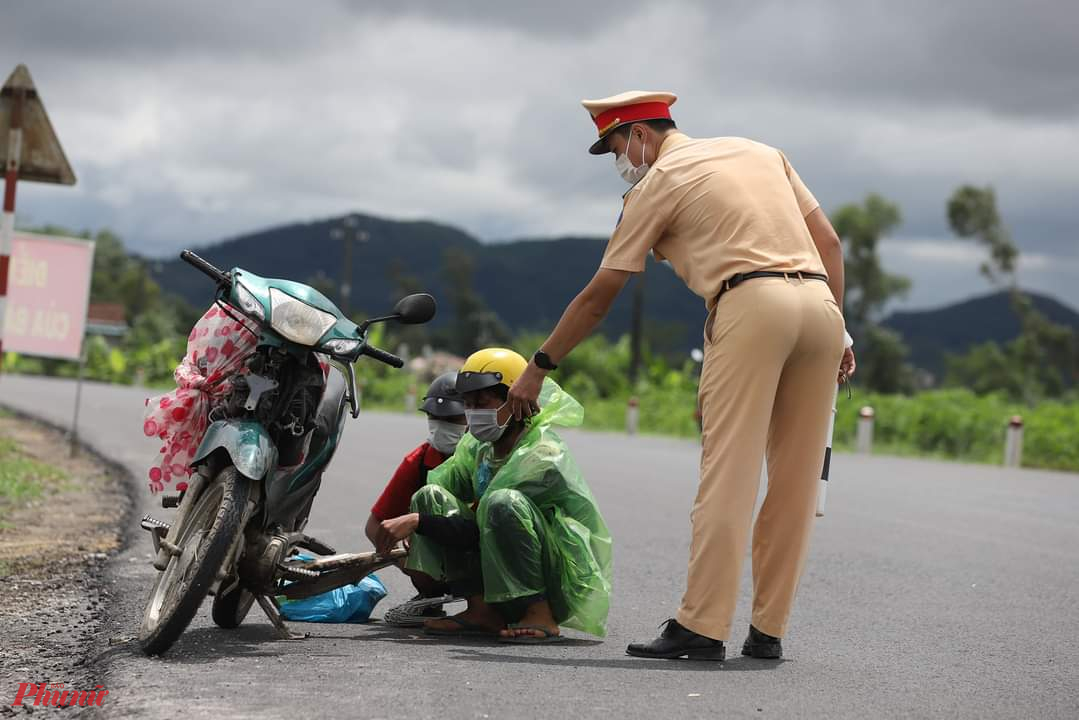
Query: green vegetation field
[954,424]
[957,424]
[950,423]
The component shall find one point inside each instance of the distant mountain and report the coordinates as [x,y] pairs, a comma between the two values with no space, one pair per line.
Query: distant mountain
[931,334]
[529,282]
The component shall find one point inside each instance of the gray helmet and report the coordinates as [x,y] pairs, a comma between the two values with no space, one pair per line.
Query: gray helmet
[442,398]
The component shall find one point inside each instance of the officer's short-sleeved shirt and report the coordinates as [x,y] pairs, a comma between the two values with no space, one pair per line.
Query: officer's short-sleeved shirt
[716,207]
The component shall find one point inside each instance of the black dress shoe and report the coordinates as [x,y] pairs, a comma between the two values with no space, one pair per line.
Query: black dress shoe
[675,641]
[762,646]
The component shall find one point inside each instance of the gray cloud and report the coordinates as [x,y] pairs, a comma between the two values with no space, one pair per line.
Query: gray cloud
[1012,58]
[191,122]
[129,30]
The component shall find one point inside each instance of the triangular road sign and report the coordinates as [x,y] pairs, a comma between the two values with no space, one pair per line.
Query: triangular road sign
[41,159]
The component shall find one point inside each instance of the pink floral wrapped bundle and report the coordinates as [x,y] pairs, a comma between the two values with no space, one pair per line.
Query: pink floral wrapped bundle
[216,349]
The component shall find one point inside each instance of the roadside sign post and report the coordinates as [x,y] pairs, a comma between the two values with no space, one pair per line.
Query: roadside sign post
[95,327]
[32,152]
[78,402]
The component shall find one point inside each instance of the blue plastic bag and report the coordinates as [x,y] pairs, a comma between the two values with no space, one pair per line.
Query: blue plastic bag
[348,604]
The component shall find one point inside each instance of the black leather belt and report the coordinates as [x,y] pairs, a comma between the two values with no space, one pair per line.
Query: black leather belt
[735,280]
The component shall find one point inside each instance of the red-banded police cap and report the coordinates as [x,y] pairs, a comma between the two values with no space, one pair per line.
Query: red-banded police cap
[629,107]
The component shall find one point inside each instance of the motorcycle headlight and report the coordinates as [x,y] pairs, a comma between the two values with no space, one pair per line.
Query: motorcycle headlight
[298,321]
[249,303]
[342,347]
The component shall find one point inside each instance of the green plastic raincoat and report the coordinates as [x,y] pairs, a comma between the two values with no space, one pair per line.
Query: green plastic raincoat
[541,532]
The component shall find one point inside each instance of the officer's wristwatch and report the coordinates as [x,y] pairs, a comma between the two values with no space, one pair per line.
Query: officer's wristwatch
[543,361]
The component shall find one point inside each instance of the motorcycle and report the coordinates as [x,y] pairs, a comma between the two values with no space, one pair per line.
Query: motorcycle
[240,521]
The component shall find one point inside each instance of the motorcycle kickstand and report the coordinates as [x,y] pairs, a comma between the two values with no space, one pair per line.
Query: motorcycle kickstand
[269,606]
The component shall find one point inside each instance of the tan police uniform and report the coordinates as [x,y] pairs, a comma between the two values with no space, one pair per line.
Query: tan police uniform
[715,208]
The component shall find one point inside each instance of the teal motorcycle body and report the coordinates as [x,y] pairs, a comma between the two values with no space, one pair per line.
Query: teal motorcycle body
[271,434]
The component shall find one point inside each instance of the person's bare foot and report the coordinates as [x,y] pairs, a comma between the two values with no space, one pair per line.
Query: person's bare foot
[538,615]
[477,616]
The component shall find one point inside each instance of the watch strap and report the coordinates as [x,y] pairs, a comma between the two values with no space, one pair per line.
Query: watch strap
[543,361]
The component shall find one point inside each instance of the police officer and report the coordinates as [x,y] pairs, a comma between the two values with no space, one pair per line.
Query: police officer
[742,230]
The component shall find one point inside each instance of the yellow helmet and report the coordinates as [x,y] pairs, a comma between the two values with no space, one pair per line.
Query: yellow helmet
[488,368]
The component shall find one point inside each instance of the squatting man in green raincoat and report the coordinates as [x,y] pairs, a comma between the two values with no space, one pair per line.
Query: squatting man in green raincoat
[508,521]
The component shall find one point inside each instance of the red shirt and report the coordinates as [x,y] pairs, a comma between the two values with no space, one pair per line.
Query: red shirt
[411,475]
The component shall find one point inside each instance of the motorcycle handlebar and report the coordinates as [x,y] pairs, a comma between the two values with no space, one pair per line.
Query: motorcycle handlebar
[220,277]
[383,356]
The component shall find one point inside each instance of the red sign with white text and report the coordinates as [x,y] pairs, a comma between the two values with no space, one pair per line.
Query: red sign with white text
[48,293]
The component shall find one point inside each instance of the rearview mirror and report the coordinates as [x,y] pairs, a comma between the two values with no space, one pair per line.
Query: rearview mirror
[415,309]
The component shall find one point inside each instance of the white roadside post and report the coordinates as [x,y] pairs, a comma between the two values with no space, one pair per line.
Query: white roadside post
[633,416]
[1013,442]
[864,441]
[410,399]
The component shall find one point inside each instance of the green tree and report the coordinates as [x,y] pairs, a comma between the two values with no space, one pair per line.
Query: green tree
[122,278]
[984,369]
[881,353]
[325,285]
[869,287]
[473,325]
[1044,359]
[972,213]
[883,366]
[597,368]
[403,283]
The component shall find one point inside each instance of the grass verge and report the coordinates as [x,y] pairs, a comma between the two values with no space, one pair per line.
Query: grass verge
[23,478]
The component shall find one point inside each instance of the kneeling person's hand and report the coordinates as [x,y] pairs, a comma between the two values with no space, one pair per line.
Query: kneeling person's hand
[398,528]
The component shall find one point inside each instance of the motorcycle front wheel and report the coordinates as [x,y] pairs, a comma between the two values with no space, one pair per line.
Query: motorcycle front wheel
[204,541]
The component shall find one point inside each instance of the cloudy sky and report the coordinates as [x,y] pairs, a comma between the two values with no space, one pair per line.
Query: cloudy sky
[190,122]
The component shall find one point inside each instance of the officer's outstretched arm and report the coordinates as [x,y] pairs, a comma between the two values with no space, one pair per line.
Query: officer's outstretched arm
[585,312]
[581,317]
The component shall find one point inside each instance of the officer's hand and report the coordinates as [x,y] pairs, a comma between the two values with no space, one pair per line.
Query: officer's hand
[847,365]
[525,392]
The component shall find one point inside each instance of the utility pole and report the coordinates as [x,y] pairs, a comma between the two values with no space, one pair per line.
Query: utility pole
[637,329]
[348,233]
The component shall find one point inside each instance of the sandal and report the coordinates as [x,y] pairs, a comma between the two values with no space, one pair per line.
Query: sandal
[547,638]
[464,629]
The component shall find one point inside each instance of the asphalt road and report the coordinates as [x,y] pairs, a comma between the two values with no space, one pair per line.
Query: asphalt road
[933,590]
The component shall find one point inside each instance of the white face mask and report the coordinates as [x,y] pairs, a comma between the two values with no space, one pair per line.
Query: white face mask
[625,167]
[483,424]
[444,435]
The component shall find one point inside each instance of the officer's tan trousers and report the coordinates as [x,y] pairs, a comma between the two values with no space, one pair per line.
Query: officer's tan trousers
[772,353]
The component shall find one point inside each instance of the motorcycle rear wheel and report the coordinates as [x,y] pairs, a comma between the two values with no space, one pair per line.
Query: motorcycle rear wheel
[204,541]
[230,609]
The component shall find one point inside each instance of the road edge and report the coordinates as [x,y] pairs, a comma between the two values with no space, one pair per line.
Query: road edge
[93,654]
